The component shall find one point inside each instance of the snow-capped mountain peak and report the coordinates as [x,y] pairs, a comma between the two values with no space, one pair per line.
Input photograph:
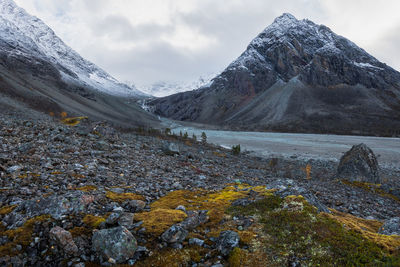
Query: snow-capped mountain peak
[35,36]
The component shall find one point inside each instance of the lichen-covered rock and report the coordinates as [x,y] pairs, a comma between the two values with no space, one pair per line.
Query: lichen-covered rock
[175,234]
[359,165]
[64,240]
[57,206]
[226,241]
[115,243]
[391,227]
[287,187]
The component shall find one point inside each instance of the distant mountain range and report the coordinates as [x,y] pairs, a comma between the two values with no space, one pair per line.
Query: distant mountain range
[38,69]
[165,88]
[296,76]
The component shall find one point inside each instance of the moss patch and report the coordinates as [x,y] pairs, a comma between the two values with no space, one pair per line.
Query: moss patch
[157,221]
[20,236]
[121,197]
[7,209]
[375,188]
[368,229]
[174,258]
[87,188]
[293,228]
[93,221]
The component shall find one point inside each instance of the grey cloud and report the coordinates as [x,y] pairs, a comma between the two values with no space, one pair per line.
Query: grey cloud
[120,28]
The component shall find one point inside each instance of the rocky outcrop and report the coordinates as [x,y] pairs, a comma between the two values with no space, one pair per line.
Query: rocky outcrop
[296,76]
[359,164]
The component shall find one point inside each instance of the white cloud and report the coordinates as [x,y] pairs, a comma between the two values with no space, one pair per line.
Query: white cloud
[146,41]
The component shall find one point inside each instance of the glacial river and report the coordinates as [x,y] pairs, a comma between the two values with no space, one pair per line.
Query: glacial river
[302,146]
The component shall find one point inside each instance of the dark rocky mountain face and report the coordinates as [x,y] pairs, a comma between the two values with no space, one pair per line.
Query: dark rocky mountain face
[296,76]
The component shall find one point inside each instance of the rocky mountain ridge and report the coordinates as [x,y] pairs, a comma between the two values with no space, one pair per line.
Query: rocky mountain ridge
[296,76]
[26,34]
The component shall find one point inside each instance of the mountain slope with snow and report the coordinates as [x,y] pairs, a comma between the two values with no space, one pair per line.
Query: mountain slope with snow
[35,36]
[296,76]
[38,71]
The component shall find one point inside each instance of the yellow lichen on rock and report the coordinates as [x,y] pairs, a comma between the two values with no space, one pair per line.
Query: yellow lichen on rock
[121,197]
[158,221]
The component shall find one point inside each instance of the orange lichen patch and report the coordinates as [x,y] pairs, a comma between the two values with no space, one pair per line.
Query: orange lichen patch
[7,209]
[93,221]
[87,188]
[157,221]
[121,197]
[20,236]
[63,114]
[73,121]
[368,228]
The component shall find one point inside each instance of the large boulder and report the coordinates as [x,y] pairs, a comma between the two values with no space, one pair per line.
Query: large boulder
[114,244]
[359,165]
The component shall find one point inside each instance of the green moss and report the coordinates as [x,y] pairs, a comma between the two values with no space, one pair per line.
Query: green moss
[20,236]
[121,197]
[93,221]
[158,221]
[291,226]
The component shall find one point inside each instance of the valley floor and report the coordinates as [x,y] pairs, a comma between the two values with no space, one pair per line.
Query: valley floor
[78,177]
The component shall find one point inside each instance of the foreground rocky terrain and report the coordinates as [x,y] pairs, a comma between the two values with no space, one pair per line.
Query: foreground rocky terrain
[91,194]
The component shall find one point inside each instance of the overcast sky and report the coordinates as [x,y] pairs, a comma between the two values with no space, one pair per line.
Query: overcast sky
[145,41]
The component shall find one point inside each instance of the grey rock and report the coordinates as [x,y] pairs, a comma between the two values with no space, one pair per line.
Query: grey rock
[359,164]
[134,205]
[391,227]
[57,206]
[115,243]
[227,241]
[194,219]
[14,168]
[196,242]
[126,219]
[175,234]
[113,218]
[171,149]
